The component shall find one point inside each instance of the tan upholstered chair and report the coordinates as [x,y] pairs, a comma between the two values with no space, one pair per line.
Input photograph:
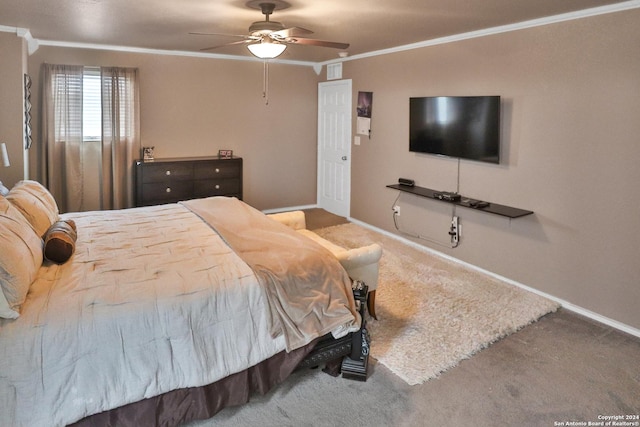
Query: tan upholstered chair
[360,263]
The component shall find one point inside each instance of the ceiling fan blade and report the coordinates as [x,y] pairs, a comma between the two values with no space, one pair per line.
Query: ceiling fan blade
[313,42]
[197,33]
[266,31]
[290,32]
[227,44]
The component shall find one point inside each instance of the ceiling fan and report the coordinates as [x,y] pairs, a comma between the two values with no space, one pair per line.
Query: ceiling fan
[268,39]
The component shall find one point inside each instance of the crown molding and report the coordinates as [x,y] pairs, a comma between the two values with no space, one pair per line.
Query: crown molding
[24,33]
[549,20]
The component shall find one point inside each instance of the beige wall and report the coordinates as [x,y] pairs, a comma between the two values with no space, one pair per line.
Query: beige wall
[570,139]
[196,106]
[12,69]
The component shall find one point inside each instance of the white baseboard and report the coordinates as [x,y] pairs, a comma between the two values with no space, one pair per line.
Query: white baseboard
[565,304]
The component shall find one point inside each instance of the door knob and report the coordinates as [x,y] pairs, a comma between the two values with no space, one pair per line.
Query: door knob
[344,157]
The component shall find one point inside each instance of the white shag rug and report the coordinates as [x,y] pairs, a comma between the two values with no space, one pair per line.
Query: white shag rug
[433,313]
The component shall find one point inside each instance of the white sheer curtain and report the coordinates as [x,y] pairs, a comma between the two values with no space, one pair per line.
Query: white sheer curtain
[64,151]
[120,135]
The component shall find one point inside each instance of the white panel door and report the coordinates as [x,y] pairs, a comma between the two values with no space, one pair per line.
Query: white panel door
[334,146]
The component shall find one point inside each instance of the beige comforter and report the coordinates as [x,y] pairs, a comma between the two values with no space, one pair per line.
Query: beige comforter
[153,300]
[309,292]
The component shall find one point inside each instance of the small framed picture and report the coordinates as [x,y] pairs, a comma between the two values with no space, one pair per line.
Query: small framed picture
[147,154]
[225,154]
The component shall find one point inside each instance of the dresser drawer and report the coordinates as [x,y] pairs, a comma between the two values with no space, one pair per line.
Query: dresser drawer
[175,179]
[159,192]
[162,172]
[217,169]
[217,187]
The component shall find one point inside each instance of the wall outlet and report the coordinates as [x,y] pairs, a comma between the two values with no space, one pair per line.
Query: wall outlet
[454,232]
[396,210]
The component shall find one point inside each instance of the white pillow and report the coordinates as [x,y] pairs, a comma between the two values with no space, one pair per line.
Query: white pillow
[20,259]
[36,203]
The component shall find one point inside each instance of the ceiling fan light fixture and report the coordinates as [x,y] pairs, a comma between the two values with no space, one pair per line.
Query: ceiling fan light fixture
[266,49]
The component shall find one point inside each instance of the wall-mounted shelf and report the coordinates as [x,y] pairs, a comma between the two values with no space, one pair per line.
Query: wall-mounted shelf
[466,202]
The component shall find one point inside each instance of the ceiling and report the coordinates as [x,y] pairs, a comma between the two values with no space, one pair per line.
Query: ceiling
[367,25]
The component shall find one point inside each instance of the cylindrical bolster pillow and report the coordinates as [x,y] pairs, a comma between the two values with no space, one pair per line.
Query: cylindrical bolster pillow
[60,241]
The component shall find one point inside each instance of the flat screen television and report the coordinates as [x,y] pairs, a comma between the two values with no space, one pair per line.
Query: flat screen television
[466,127]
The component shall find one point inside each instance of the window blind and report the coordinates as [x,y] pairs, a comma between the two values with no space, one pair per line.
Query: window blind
[91,105]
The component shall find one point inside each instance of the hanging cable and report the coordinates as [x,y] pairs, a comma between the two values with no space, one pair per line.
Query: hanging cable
[416,235]
[458,180]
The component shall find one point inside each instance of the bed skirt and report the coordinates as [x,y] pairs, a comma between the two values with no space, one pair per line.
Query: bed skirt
[197,403]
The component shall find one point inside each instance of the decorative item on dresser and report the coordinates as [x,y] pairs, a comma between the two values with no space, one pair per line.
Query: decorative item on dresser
[174,179]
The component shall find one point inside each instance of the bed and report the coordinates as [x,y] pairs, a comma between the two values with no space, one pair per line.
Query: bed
[161,315]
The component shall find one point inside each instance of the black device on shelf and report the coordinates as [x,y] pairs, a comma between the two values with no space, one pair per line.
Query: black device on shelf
[483,206]
[446,196]
[477,204]
[406,181]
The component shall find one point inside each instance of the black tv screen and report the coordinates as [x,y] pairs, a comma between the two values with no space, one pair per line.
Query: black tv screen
[466,127]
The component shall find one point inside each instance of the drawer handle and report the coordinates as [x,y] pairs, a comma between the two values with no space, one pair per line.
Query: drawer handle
[217,186]
[167,173]
[217,170]
[168,190]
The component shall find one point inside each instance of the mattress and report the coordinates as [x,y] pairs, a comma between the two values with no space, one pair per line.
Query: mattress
[153,300]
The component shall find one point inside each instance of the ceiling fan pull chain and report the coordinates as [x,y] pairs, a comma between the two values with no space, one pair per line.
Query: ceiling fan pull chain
[265,82]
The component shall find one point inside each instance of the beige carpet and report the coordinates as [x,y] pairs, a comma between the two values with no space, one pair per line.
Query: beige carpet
[433,313]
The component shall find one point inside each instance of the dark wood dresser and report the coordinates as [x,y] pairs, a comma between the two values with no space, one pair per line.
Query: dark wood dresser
[172,180]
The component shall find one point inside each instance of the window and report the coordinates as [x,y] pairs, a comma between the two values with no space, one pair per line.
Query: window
[91,135]
[91,105]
